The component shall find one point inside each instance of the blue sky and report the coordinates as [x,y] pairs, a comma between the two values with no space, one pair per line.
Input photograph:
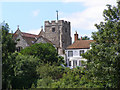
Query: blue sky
[30,15]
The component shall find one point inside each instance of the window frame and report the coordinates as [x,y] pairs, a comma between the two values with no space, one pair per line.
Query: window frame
[74,63]
[81,52]
[70,55]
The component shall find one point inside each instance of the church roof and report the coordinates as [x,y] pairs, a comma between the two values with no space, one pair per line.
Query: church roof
[44,39]
[81,44]
[29,35]
[29,38]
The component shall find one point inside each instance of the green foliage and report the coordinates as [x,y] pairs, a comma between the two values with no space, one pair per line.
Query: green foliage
[8,44]
[44,51]
[21,71]
[103,59]
[8,47]
[84,38]
[24,72]
[45,82]
[70,79]
[47,70]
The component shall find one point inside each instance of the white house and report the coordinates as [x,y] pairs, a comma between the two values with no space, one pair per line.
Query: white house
[74,51]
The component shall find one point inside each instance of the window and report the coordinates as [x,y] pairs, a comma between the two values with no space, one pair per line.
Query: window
[81,52]
[69,63]
[74,63]
[70,53]
[65,29]
[53,29]
[19,49]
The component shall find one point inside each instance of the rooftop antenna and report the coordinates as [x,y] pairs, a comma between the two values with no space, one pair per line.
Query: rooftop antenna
[57,14]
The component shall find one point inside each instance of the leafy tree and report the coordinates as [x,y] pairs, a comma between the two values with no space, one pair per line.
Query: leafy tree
[84,38]
[45,82]
[53,71]
[103,59]
[24,72]
[8,47]
[46,52]
[70,79]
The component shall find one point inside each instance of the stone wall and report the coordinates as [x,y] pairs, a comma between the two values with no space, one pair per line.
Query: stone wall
[40,40]
[51,32]
[22,43]
[59,33]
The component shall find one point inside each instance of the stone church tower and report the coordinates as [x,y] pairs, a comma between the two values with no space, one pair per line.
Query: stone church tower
[59,33]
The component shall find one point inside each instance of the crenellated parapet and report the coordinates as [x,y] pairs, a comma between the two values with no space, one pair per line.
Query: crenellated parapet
[54,23]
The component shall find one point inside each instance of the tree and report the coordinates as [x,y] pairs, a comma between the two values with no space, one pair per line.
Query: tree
[70,79]
[8,47]
[25,73]
[46,52]
[53,71]
[85,38]
[103,59]
[48,74]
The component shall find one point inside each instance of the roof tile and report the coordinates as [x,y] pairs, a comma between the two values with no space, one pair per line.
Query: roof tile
[80,44]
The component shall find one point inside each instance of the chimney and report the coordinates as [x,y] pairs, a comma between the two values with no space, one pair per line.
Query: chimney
[81,37]
[75,36]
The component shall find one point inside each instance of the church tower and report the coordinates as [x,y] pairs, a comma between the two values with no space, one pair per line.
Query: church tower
[59,33]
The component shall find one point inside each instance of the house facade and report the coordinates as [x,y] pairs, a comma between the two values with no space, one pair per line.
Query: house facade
[74,51]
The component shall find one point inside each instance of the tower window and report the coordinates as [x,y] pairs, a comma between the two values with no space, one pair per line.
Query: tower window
[65,29]
[53,29]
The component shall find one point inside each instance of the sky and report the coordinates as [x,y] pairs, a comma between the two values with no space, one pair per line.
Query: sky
[31,14]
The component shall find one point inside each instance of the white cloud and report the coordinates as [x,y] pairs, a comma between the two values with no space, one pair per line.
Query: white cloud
[36,13]
[85,20]
[34,31]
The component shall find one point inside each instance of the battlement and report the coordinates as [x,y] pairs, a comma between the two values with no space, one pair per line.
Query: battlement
[54,22]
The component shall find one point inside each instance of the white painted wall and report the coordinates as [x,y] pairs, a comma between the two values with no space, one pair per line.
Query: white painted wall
[76,56]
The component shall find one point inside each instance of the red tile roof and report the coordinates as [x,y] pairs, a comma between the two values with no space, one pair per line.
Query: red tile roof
[80,44]
[29,35]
